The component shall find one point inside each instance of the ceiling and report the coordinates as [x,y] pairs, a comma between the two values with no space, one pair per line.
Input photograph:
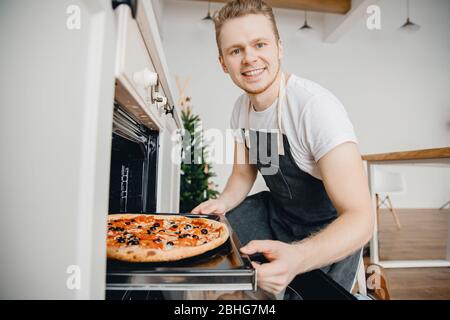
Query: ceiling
[328,6]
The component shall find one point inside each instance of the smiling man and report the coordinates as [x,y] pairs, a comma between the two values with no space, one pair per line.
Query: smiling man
[317,212]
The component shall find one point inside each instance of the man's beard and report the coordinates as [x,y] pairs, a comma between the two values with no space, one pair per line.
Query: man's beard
[267,86]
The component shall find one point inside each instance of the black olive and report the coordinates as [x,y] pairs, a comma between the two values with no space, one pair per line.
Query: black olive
[120,240]
[120,229]
[181,236]
[133,242]
[195,236]
[177,232]
[170,243]
[109,224]
[112,229]
[153,228]
[157,240]
[139,227]
[187,227]
[156,224]
[204,231]
[132,220]
[174,226]
[161,230]
[127,223]
[196,227]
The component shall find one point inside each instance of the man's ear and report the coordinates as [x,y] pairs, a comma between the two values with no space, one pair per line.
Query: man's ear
[280,49]
[222,63]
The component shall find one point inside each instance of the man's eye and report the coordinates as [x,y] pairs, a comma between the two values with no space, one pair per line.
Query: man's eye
[260,45]
[235,51]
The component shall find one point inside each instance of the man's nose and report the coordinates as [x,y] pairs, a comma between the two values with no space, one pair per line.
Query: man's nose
[249,57]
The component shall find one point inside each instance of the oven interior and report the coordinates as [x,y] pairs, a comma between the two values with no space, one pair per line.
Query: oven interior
[133,176]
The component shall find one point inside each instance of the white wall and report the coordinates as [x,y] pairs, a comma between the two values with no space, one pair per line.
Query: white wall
[395,86]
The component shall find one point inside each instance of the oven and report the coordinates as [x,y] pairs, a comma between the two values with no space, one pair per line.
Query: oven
[133,189]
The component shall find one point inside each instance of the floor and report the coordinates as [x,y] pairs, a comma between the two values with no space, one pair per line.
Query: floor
[423,236]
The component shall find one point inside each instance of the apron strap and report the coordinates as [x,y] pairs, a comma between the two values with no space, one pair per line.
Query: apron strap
[281,97]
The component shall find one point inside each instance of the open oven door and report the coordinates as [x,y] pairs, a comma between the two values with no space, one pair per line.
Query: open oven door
[57,93]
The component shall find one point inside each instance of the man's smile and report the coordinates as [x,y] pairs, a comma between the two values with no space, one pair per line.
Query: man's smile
[253,73]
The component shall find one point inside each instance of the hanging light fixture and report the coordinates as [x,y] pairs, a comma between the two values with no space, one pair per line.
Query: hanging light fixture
[409,26]
[207,20]
[306,28]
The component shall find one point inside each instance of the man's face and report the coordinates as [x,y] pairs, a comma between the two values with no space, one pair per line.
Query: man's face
[250,52]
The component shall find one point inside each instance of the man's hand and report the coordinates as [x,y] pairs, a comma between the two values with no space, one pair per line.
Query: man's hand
[212,206]
[285,261]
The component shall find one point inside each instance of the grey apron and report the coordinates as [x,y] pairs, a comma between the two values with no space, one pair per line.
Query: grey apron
[296,206]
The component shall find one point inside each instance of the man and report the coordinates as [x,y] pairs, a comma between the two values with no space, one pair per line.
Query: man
[318,212]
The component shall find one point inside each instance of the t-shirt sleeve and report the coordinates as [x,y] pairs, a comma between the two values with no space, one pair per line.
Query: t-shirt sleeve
[235,121]
[326,125]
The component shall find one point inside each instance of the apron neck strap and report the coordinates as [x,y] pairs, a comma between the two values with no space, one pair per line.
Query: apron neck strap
[281,97]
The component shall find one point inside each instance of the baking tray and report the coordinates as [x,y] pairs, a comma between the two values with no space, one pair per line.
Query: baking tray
[223,268]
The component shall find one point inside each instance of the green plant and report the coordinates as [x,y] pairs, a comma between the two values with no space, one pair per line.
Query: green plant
[195,183]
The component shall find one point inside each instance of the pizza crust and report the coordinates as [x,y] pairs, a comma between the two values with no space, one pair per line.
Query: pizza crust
[136,253]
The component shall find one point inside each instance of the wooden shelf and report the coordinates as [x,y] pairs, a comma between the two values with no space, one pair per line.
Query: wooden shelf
[424,154]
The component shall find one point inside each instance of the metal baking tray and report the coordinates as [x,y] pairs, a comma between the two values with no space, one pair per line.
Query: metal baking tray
[223,268]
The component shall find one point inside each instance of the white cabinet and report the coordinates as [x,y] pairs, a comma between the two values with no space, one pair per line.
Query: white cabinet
[139,61]
[133,63]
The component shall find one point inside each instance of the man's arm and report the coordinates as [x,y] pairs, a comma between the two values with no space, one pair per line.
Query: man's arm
[346,184]
[345,181]
[238,185]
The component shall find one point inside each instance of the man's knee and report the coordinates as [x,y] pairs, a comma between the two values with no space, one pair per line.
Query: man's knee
[250,219]
[249,205]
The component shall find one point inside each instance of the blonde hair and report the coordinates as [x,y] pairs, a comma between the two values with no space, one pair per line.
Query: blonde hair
[239,8]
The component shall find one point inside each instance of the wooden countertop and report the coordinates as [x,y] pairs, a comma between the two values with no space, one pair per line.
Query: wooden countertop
[424,154]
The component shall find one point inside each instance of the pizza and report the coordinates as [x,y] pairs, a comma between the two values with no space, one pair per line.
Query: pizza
[160,238]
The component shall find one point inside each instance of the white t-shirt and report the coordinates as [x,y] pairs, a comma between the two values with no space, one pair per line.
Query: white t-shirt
[313,120]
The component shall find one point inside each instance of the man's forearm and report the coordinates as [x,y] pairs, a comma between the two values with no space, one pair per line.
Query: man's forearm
[237,188]
[349,232]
